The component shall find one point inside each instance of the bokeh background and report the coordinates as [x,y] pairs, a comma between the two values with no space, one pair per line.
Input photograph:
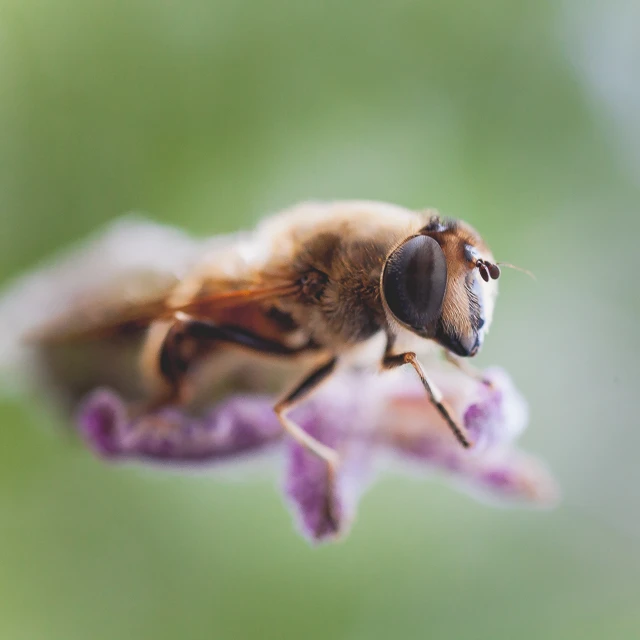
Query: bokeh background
[521,117]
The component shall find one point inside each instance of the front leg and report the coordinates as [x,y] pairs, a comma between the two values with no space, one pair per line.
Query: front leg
[466,368]
[391,361]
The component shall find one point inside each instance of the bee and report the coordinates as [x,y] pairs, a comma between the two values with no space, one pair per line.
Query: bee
[309,285]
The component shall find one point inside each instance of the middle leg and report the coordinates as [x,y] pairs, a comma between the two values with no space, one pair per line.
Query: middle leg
[308,384]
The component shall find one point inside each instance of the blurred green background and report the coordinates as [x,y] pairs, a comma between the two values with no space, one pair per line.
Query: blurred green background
[521,117]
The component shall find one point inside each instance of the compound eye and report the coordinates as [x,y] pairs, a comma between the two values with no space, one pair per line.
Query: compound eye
[414,282]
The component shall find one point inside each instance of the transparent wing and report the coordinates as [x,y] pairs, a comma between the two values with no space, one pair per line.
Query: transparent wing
[137,303]
[131,248]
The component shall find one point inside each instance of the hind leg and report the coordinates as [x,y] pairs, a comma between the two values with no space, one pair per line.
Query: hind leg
[173,348]
[167,356]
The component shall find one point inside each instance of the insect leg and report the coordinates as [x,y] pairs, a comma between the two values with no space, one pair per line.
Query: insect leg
[185,341]
[299,392]
[392,361]
[178,355]
[465,367]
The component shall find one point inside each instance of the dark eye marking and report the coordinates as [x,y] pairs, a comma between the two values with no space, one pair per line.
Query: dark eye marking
[414,282]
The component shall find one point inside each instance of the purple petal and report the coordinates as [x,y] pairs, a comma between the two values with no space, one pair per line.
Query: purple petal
[311,488]
[492,411]
[494,414]
[324,503]
[509,475]
[499,414]
[353,414]
[238,425]
[513,477]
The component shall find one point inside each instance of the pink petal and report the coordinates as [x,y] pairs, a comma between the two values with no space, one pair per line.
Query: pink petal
[236,426]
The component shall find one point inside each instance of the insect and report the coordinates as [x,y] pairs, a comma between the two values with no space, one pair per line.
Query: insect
[311,283]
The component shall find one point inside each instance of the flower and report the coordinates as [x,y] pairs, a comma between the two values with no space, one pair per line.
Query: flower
[365,417]
[362,416]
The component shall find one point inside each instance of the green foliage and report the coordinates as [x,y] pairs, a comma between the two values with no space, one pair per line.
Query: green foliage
[208,114]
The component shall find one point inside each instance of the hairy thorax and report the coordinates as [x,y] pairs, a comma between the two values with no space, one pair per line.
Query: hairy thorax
[341,266]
